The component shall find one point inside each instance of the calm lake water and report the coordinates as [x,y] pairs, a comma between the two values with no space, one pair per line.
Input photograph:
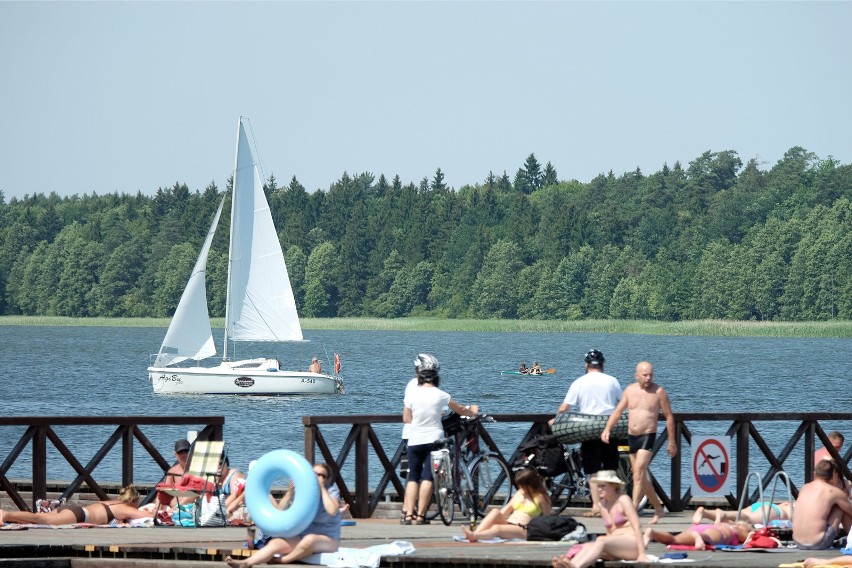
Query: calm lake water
[100,371]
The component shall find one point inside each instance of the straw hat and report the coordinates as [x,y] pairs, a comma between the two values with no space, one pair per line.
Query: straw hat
[608,476]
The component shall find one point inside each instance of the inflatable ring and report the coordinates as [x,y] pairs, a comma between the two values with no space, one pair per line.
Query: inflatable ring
[295,519]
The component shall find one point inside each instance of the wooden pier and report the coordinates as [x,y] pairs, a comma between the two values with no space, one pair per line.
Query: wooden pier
[162,547]
[371,500]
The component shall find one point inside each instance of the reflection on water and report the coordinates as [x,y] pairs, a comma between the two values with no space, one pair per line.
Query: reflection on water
[98,371]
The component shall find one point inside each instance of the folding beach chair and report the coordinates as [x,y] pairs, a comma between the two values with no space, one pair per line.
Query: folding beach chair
[201,484]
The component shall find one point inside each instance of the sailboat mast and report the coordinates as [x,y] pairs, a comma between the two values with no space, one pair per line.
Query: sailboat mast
[231,239]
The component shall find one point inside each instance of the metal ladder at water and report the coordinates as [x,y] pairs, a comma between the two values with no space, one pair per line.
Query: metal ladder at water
[765,506]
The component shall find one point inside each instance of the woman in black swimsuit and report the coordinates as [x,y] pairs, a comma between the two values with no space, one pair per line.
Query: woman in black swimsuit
[101,513]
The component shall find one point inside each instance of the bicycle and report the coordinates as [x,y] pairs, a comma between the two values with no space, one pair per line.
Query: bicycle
[467,476]
[561,468]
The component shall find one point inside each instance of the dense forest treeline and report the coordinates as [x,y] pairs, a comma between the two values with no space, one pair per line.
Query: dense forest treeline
[715,240]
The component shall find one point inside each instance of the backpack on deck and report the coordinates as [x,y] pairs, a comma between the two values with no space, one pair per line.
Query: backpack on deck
[543,453]
[551,527]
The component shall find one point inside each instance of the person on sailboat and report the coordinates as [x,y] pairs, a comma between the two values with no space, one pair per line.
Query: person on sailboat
[315,366]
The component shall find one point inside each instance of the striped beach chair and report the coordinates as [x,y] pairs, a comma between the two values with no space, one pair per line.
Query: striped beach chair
[201,478]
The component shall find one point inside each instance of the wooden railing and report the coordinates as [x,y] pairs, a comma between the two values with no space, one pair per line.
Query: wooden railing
[41,430]
[362,437]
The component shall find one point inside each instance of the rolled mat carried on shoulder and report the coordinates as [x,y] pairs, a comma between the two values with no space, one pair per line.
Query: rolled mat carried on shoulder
[573,427]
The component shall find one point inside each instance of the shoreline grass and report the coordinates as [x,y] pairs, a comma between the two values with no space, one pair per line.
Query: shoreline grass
[715,328]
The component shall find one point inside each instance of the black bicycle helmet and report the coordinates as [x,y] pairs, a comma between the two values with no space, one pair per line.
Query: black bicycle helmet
[426,362]
[595,357]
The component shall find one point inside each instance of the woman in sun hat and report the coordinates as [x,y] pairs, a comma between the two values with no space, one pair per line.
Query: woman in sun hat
[623,539]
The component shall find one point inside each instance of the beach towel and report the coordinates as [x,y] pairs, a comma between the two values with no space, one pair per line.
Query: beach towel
[360,557]
[801,565]
[495,540]
[688,547]
[741,548]
[115,523]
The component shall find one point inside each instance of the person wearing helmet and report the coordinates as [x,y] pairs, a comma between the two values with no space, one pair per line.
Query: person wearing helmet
[594,393]
[423,406]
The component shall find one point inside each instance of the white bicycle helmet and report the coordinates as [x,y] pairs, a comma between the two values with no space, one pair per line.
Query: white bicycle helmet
[426,362]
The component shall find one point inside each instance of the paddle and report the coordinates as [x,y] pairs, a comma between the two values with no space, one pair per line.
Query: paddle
[549,371]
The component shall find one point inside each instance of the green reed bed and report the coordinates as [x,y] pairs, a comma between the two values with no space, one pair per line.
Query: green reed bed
[834,329]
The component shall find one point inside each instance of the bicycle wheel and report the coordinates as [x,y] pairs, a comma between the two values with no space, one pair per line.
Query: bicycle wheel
[443,495]
[492,483]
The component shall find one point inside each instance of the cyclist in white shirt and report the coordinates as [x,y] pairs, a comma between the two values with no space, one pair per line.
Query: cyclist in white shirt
[423,406]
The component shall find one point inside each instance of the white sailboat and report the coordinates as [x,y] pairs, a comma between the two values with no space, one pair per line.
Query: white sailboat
[260,307]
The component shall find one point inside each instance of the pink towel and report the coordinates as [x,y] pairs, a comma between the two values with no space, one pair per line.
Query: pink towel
[688,547]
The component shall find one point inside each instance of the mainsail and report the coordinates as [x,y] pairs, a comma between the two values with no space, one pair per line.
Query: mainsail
[260,305]
[189,335]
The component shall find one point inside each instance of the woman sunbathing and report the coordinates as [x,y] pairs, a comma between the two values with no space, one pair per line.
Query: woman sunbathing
[511,521]
[101,513]
[752,514]
[701,535]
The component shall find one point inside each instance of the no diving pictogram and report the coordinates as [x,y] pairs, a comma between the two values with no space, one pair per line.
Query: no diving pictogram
[710,465]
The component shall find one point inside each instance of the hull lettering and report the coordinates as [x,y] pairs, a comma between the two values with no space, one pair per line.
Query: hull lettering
[244,382]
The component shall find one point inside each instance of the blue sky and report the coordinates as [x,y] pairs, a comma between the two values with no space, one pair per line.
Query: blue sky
[132,96]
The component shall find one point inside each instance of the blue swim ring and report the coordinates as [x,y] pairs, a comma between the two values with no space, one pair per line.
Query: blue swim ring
[295,519]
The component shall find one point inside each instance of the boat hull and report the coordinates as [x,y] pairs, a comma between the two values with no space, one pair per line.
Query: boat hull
[236,380]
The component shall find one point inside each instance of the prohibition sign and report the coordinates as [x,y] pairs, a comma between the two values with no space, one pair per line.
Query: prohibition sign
[710,465]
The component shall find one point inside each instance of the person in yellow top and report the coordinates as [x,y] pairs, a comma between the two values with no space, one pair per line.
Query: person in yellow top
[531,500]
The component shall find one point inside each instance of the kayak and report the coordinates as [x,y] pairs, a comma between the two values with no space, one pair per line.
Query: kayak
[544,372]
[573,427]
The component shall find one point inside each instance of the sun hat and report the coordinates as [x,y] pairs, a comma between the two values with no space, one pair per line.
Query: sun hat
[608,476]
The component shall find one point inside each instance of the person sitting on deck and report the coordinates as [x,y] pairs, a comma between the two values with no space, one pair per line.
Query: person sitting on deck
[315,366]
[700,535]
[623,539]
[233,484]
[822,509]
[536,368]
[174,475]
[531,500]
[102,513]
[322,535]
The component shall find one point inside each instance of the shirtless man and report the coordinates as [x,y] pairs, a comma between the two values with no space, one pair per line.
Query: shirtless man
[822,508]
[645,400]
[836,439]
